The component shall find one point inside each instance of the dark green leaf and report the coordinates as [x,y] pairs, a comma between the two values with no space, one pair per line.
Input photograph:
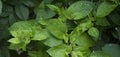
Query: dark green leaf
[29,3]
[102,22]
[112,49]
[114,17]
[105,8]
[42,12]
[22,12]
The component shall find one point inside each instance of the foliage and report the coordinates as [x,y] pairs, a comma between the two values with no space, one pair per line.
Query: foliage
[59,28]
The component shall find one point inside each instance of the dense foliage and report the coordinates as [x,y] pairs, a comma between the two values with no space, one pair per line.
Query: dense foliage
[59,28]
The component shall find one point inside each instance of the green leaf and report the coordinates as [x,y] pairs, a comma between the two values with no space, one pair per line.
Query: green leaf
[42,12]
[13,18]
[80,9]
[29,3]
[18,46]
[14,40]
[114,17]
[105,8]
[58,29]
[40,35]
[99,54]
[22,12]
[102,22]
[84,41]
[51,41]
[54,8]
[112,49]
[94,32]
[0,6]
[39,50]
[38,54]
[59,51]
[21,29]
[6,10]
[80,52]
[82,27]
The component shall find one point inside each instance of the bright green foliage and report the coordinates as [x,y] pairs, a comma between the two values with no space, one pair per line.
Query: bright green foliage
[80,9]
[59,28]
[104,9]
[14,40]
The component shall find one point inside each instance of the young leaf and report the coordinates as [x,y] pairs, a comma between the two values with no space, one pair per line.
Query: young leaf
[80,9]
[0,6]
[105,8]
[54,8]
[14,40]
[94,32]
[22,12]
